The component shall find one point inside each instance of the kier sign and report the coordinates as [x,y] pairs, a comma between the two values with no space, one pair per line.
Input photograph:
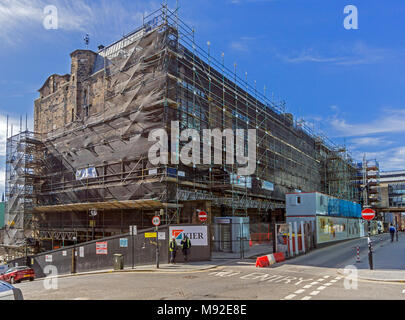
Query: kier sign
[368,214]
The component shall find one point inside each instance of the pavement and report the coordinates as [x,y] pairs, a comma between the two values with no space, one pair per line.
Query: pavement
[218,259]
[388,260]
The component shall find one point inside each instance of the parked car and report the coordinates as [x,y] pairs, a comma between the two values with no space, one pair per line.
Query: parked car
[18,274]
[8,292]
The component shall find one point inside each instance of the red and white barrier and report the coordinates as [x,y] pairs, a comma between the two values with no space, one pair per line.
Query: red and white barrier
[270,259]
[358,254]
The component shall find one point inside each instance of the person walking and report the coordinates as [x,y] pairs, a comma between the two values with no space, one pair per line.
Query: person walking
[392,232]
[173,250]
[186,245]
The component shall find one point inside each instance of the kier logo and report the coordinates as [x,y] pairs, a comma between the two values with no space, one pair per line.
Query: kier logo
[178,234]
[196,234]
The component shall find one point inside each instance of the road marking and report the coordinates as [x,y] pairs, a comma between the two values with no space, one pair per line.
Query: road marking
[328,284]
[321,288]
[306,298]
[313,283]
[314,293]
[326,277]
[290,296]
[333,281]
[307,286]
[338,278]
[299,291]
[403,291]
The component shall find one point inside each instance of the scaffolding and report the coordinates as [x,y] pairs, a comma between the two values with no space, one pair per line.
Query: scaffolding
[95,151]
[22,180]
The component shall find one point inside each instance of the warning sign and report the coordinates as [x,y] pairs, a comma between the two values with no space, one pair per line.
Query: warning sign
[101,247]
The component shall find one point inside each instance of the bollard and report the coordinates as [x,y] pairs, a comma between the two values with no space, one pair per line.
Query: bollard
[358,254]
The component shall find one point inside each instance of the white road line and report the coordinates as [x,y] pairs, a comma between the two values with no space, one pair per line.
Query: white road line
[338,278]
[307,286]
[320,280]
[328,284]
[290,296]
[314,293]
[313,283]
[403,291]
[299,291]
[321,288]
[306,298]
[326,277]
[333,281]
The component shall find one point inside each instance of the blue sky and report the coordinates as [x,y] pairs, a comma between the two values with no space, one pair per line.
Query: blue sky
[348,84]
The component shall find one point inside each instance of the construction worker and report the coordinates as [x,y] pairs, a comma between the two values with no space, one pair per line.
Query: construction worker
[186,245]
[173,250]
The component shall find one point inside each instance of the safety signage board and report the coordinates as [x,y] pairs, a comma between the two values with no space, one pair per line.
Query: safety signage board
[150,234]
[48,258]
[161,235]
[102,247]
[123,243]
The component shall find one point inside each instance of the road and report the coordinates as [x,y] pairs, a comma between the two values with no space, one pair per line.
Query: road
[310,277]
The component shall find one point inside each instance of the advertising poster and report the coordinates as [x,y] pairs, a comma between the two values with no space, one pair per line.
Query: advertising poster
[331,229]
[198,235]
[101,247]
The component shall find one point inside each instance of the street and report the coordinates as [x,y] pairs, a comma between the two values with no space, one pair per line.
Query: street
[315,276]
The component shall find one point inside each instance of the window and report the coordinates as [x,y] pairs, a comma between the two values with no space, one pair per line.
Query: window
[73,115]
[298,200]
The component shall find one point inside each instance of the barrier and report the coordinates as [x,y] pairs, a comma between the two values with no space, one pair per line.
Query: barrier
[262,262]
[279,256]
[270,259]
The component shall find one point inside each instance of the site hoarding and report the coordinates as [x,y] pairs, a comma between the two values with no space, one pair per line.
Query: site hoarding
[336,228]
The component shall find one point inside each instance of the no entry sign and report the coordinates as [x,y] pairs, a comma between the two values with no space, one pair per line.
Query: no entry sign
[202,215]
[368,214]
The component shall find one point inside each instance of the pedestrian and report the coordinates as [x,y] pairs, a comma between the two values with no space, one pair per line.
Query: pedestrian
[173,250]
[186,245]
[392,232]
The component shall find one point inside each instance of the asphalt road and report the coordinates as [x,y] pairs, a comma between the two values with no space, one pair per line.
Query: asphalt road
[310,277]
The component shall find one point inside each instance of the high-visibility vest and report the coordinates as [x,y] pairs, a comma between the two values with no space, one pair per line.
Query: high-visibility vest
[172,245]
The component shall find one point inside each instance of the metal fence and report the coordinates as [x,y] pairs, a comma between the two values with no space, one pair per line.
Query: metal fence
[240,240]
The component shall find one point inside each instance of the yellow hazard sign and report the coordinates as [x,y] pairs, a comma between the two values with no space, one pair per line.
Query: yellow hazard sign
[150,235]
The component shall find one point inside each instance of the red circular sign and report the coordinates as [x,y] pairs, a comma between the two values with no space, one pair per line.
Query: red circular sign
[368,214]
[202,215]
[156,220]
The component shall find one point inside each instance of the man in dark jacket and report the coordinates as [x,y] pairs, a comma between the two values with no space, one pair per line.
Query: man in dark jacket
[185,244]
[392,232]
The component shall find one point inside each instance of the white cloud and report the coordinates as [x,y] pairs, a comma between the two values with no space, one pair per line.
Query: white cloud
[390,121]
[370,142]
[356,54]
[22,18]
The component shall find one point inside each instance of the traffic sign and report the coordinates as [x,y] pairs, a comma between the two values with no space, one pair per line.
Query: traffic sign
[368,214]
[202,215]
[156,221]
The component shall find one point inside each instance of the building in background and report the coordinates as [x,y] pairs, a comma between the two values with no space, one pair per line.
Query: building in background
[393,196]
[84,172]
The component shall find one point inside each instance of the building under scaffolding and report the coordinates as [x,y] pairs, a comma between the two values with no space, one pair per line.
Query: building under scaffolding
[88,171]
